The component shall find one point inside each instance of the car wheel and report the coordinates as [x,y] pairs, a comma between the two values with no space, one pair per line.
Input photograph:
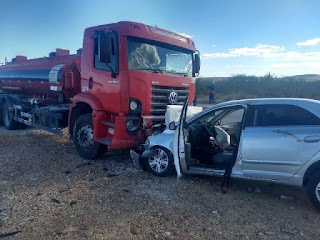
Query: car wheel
[83,138]
[7,117]
[160,163]
[1,115]
[313,189]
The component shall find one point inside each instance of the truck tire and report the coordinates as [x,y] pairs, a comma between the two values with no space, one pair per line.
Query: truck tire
[313,189]
[83,138]
[7,117]
[160,163]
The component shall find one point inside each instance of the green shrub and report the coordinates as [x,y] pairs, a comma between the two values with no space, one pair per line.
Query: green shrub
[268,86]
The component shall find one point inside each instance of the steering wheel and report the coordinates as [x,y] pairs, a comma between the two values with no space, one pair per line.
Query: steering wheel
[210,129]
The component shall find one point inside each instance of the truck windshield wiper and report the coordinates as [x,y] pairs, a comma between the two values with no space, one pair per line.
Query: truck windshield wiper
[178,73]
[154,70]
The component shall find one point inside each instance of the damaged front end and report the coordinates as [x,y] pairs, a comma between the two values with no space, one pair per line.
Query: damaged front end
[139,153]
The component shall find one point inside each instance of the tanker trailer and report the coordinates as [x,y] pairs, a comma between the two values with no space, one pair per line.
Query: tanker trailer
[38,92]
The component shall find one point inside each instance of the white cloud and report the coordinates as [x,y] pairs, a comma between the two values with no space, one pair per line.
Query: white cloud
[311,42]
[315,65]
[291,56]
[265,51]
[213,45]
[258,50]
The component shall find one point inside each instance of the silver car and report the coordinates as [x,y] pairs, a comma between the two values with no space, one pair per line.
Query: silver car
[275,140]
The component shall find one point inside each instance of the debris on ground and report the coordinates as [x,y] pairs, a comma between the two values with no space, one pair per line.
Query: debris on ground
[55,200]
[257,190]
[5,235]
[84,164]
[286,197]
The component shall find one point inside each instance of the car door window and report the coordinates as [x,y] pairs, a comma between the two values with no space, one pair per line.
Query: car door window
[284,115]
[233,117]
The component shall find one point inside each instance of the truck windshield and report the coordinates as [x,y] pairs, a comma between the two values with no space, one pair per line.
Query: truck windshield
[146,55]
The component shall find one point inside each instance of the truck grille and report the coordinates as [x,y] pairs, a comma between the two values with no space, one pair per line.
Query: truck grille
[160,100]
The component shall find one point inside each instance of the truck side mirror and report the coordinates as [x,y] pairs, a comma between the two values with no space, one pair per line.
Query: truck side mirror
[104,47]
[197,63]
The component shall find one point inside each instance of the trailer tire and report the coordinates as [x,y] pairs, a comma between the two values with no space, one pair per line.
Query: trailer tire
[83,138]
[7,117]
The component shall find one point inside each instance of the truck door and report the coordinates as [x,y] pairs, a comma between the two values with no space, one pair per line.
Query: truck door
[104,79]
[179,143]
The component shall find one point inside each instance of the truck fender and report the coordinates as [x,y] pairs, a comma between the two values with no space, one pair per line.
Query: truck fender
[92,101]
[87,103]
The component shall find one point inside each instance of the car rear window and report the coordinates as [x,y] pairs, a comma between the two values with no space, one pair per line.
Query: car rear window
[284,115]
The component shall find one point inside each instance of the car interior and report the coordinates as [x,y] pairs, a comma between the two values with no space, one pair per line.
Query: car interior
[213,140]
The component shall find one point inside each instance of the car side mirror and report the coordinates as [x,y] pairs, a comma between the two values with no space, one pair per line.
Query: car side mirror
[104,47]
[173,125]
[197,63]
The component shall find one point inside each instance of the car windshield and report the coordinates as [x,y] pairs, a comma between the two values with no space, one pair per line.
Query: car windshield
[145,55]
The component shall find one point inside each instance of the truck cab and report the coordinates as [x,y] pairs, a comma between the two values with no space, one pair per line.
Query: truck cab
[130,72]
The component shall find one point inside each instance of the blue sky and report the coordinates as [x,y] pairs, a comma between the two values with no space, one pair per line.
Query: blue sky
[234,37]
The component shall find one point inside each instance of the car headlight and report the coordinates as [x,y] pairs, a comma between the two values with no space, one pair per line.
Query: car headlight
[133,105]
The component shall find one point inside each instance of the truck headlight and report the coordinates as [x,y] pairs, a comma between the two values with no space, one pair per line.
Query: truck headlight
[133,105]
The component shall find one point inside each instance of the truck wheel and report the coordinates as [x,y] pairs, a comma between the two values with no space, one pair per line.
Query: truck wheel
[83,138]
[313,189]
[7,117]
[160,163]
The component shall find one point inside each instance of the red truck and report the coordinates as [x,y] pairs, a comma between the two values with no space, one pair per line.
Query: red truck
[112,92]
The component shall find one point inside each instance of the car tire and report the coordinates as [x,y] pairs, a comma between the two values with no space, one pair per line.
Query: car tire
[7,118]
[1,114]
[83,138]
[161,162]
[313,189]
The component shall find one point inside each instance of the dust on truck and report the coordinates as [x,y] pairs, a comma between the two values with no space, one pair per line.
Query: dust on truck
[112,92]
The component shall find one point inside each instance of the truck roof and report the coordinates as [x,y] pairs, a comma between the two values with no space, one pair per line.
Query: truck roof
[127,28]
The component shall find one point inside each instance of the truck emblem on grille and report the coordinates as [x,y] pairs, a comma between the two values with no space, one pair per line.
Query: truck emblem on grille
[173,98]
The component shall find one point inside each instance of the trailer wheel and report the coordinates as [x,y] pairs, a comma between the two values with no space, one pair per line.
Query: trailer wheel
[7,117]
[83,138]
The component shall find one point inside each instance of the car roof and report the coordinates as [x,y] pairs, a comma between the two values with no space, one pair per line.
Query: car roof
[271,101]
[309,104]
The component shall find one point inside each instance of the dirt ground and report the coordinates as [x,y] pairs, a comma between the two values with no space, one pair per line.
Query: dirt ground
[48,192]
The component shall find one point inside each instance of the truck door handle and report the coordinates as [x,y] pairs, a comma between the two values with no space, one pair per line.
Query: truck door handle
[90,83]
[312,139]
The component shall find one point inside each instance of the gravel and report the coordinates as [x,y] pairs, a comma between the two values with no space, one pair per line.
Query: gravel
[48,192]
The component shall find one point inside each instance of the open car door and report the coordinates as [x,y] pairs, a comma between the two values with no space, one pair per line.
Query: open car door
[179,143]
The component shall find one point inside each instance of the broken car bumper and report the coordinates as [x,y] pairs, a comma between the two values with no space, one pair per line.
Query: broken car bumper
[135,159]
